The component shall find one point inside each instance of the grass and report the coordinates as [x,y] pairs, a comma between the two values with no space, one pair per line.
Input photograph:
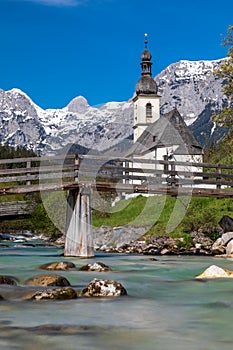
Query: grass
[167,215]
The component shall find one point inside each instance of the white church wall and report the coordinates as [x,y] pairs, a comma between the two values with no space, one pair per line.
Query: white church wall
[159,154]
[141,121]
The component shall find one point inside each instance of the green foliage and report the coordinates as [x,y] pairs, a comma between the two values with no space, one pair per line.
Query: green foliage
[187,242]
[225,71]
[202,214]
[221,153]
[17,225]
[8,152]
[49,216]
[39,221]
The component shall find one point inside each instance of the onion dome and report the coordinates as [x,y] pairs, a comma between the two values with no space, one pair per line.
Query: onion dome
[146,56]
[146,85]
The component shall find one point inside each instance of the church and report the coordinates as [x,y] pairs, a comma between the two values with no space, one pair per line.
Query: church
[159,137]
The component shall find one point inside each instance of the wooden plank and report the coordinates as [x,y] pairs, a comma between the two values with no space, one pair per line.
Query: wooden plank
[37,177]
[148,161]
[181,191]
[107,159]
[15,208]
[100,173]
[42,169]
[120,187]
[91,171]
[36,159]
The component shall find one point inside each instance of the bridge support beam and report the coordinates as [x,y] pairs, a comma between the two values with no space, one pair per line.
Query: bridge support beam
[79,237]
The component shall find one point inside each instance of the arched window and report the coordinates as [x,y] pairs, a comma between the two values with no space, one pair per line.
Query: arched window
[149,110]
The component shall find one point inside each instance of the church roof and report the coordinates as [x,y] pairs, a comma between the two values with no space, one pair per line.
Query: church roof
[169,130]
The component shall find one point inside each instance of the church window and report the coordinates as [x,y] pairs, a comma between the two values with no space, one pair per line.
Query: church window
[148,110]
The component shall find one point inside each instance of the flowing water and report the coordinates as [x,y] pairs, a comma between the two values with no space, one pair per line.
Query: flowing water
[166,307]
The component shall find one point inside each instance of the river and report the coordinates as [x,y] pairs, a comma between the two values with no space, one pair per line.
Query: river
[166,307]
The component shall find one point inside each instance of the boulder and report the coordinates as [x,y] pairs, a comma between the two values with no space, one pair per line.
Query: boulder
[216,272]
[217,247]
[97,266]
[199,237]
[52,294]
[7,280]
[164,251]
[221,244]
[103,288]
[229,248]
[60,265]
[226,237]
[47,280]
[226,223]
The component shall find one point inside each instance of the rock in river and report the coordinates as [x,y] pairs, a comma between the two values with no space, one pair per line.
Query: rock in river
[103,288]
[7,280]
[59,265]
[216,272]
[97,266]
[47,280]
[52,294]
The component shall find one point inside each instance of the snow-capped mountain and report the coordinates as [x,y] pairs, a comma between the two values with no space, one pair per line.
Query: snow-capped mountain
[196,92]
[191,87]
[24,123]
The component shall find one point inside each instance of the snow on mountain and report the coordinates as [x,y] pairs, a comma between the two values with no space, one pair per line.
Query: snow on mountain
[19,123]
[97,128]
[196,92]
[190,86]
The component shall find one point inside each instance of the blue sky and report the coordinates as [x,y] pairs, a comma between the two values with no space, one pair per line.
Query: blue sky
[55,50]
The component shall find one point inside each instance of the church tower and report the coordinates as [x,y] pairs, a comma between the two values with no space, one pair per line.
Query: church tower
[146,101]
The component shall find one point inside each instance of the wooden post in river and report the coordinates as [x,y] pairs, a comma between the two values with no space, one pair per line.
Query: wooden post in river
[79,237]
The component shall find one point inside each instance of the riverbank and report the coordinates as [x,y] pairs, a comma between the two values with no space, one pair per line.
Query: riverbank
[130,240]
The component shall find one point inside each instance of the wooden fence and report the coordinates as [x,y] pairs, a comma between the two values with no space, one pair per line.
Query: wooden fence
[26,175]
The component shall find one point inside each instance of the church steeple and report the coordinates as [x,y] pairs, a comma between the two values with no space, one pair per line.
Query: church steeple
[146,101]
[146,84]
[146,59]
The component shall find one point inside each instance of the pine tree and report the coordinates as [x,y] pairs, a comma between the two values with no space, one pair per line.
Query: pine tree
[225,71]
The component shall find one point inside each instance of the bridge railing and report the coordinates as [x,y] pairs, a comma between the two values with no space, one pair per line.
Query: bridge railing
[22,175]
[167,173]
[34,171]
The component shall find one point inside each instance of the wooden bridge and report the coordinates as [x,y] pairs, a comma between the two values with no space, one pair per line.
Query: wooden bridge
[16,208]
[80,175]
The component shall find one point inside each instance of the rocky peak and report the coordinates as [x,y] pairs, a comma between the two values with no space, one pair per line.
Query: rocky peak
[78,105]
[190,86]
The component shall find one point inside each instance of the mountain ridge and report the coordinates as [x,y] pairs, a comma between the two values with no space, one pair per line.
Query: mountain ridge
[189,86]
